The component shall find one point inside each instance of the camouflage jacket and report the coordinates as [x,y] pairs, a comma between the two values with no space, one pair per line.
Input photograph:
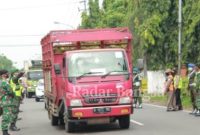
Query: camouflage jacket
[6,94]
[197,81]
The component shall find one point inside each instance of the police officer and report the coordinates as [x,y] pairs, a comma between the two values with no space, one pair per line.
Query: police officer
[17,89]
[6,98]
[178,84]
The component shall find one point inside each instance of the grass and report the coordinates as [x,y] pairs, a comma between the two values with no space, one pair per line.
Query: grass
[162,100]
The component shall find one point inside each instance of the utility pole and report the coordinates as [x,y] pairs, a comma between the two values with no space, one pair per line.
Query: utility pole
[85,4]
[179,35]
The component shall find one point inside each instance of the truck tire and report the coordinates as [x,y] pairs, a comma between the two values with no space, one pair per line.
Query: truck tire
[29,95]
[69,127]
[62,122]
[124,122]
[37,99]
[54,120]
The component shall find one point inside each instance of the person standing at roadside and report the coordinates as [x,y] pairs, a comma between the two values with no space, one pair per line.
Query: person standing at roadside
[170,90]
[6,99]
[197,89]
[178,84]
[137,88]
[191,87]
[17,89]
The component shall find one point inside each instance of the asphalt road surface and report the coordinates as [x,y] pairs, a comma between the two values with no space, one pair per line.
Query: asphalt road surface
[151,120]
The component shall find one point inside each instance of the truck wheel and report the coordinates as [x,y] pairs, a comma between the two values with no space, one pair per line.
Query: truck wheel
[69,127]
[29,95]
[54,120]
[62,121]
[37,99]
[124,122]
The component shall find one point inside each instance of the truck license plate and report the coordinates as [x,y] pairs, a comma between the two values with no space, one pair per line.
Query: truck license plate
[102,110]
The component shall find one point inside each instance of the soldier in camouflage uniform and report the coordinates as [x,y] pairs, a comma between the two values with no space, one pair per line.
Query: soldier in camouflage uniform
[6,98]
[197,90]
[14,83]
[191,88]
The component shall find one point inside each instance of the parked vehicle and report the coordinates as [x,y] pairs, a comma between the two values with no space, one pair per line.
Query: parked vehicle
[88,76]
[39,91]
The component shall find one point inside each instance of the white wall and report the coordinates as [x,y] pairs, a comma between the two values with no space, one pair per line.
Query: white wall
[156,81]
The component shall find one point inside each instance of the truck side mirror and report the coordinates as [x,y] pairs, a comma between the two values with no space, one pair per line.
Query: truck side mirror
[57,68]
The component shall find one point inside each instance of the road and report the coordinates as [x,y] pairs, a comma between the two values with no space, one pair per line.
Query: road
[151,120]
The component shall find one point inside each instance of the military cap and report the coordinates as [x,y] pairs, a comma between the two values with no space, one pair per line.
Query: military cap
[168,71]
[3,71]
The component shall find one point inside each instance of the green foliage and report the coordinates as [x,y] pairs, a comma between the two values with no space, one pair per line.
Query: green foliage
[154,24]
[5,63]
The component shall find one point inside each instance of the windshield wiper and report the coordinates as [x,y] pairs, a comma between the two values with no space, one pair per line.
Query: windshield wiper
[87,73]
[107,74]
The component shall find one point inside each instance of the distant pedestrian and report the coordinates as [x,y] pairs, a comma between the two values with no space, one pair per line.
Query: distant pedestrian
[178,84]
[170,90]
[137,91]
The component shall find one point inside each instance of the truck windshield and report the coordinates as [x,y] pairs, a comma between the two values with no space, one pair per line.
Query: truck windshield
[35,75]
[97,63]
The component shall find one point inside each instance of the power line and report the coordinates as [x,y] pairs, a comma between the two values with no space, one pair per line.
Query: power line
[85,4]
[19,45]
[38,6]
[21,35]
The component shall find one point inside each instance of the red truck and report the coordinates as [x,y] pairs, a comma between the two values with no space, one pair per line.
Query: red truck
[88,76]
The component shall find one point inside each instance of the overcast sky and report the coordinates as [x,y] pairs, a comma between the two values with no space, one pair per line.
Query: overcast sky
[24,22]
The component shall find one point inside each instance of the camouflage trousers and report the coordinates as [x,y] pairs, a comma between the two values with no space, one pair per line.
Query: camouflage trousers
[15,111]
[7,116]
[10,114]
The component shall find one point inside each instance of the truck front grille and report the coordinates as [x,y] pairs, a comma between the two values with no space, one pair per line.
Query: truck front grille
[109,100]
[98,100]
[92,101]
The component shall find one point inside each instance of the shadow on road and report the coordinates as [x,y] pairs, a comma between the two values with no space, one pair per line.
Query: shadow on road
[80,129]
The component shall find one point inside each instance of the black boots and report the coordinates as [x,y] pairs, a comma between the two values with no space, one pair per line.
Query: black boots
[5,132]
[13,127]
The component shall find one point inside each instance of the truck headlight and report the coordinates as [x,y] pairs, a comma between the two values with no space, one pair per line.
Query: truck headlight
[75,102]
[124,100]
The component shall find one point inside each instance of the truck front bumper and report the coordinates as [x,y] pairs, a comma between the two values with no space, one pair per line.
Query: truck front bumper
[100,111]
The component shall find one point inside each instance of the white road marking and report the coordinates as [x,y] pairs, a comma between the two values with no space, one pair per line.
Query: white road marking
[136,122]
[163,107]
[158,106]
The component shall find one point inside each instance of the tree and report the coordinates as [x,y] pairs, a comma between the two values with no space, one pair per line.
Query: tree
[93,18]
[154,24]
[191,28]
[5,63]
